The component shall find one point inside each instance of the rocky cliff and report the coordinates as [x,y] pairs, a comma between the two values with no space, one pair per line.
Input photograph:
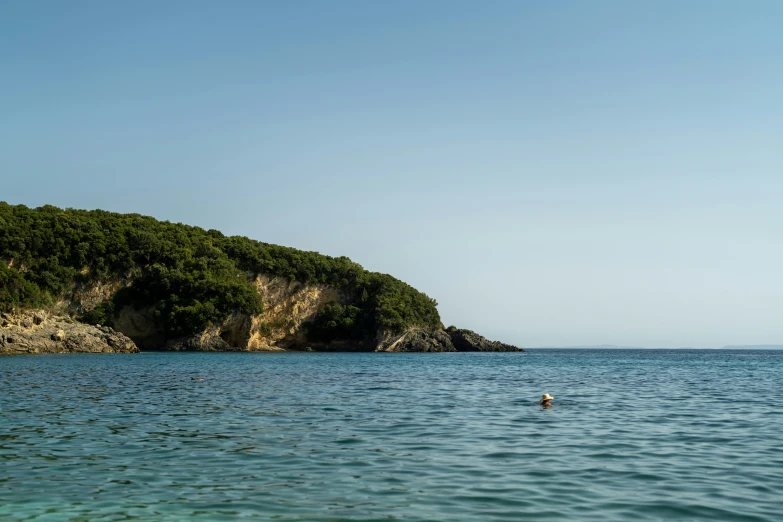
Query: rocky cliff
[289,307]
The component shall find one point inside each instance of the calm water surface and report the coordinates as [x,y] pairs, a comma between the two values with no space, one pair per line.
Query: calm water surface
[633,435]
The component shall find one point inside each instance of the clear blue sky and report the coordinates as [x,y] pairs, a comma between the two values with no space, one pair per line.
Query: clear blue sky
[553,172]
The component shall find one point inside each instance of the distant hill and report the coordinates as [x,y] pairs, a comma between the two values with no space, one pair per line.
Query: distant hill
[598,347]
[616,347]
[608,347]
[754,347]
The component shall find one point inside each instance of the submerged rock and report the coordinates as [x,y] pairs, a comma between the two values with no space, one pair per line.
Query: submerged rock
[40,332]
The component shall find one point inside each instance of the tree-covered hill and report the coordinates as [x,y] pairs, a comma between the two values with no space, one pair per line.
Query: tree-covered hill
[190,276]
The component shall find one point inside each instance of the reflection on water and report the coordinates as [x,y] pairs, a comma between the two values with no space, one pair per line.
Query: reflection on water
[635,435]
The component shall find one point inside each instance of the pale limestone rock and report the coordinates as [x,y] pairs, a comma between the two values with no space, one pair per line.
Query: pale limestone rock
[38,331]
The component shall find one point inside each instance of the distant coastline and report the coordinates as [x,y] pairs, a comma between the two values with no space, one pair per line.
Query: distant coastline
[753,347]
[615,347]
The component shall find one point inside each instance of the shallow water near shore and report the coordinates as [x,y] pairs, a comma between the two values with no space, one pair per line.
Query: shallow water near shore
[632,435]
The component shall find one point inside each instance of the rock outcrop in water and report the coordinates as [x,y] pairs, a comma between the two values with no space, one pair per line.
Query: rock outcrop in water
[449,340]
[469,341]
[418,340]
[41,332]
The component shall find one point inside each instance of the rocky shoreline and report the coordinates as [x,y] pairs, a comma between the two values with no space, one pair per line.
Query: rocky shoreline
[451,339]
[41,332]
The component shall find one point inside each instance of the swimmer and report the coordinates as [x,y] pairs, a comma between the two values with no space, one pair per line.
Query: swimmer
[546,400]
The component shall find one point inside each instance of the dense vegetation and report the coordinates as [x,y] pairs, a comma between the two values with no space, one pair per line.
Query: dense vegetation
[191,276]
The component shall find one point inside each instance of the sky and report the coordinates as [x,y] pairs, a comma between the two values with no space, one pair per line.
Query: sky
[554,173]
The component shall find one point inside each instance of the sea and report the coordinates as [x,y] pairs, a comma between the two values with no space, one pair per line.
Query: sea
[631,435]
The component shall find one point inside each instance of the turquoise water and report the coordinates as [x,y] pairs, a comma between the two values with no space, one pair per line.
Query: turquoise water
[633,435]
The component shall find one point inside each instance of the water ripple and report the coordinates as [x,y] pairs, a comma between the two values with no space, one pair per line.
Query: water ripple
[634,435]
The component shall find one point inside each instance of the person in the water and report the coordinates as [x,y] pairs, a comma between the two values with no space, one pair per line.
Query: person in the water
[546,400]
